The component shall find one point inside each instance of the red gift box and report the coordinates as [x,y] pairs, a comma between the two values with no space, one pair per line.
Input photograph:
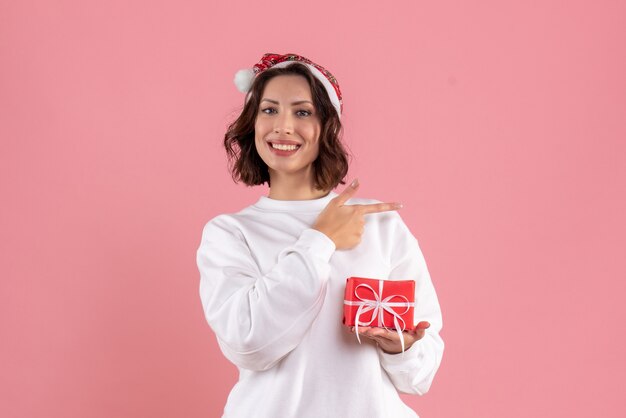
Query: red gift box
[379,303]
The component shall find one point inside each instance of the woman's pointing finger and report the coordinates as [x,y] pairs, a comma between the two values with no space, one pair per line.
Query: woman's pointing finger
[380,207]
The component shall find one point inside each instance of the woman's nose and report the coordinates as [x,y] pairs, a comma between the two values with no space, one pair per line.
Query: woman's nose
[284,123]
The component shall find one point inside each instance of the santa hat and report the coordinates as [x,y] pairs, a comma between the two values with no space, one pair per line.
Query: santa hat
[244,78]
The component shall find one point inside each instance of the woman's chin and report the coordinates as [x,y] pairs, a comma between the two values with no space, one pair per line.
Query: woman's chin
[289,170]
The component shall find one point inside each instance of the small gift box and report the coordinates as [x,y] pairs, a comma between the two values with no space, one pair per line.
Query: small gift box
[387,304]
[379,303]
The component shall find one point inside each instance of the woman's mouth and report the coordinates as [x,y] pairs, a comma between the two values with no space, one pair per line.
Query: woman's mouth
[284,149]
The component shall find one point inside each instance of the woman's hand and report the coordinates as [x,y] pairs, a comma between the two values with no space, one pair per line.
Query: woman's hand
[344,224]
[389,340]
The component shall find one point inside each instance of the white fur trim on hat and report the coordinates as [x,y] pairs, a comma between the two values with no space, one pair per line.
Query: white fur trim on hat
[332,94]
[244,79]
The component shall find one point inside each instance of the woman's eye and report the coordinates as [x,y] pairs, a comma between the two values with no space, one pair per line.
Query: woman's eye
[303,113]
[268,110]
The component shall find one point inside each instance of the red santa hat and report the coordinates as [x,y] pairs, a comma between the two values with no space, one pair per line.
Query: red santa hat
[244,78]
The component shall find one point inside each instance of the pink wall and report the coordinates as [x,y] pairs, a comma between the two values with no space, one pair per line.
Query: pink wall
[500,125]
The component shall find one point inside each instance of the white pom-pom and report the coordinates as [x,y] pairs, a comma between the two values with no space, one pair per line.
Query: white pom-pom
[243,79]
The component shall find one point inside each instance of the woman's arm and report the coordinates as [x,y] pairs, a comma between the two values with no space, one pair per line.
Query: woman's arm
[414,371]
[259,318]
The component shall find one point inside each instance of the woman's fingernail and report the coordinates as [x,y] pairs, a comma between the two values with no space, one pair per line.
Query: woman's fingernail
[399,205]
[354,183]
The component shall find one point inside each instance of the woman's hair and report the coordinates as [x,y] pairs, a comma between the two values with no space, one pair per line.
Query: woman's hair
[245,164]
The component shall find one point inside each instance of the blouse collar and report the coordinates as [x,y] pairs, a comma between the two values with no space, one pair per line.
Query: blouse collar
[312,205]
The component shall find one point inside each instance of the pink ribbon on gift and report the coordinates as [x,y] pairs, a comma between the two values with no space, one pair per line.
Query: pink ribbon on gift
[379,306]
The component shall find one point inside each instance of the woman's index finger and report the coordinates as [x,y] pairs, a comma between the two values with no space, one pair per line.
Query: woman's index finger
[380,207]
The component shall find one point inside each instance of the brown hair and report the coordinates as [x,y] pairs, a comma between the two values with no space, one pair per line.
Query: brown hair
[245,164]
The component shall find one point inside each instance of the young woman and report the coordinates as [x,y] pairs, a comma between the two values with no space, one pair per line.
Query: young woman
[273,275]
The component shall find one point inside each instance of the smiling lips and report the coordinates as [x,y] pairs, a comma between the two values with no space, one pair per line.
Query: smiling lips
[284,147]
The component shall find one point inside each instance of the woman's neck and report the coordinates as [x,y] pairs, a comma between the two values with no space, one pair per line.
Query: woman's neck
[294,187]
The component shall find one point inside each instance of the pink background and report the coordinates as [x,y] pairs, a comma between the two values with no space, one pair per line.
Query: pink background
[499,124]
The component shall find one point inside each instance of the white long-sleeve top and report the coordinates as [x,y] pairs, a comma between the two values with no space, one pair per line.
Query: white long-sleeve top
[272,289]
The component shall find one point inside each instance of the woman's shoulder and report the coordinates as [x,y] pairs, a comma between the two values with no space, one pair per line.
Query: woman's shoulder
[227,223]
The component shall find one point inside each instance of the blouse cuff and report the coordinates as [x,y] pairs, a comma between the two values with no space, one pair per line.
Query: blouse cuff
[401,362]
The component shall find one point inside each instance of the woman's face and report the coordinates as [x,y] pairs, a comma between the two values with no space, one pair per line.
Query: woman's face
[287,127]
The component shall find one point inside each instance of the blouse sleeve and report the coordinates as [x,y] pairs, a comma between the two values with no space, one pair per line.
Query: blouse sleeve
[259,318]
[414,370]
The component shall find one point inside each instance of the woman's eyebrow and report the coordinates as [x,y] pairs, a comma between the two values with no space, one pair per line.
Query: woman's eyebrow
[293,103]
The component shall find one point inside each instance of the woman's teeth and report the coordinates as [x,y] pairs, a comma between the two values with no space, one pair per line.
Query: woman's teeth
[285,147]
